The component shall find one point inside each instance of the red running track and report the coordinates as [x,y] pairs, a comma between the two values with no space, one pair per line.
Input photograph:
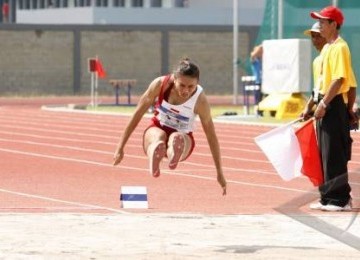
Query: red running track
[55,161]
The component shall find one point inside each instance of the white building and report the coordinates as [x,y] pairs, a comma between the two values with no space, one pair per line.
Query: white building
[138,12]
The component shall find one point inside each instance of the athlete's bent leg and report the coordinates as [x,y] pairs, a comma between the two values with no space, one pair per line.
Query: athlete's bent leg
[179,148]
[154,146]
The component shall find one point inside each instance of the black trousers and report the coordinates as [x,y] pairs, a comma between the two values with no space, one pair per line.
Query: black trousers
[334,141]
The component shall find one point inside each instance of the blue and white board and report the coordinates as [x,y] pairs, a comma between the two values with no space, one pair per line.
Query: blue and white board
[134,197]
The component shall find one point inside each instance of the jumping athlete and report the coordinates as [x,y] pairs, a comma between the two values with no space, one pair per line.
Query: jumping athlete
[178,99]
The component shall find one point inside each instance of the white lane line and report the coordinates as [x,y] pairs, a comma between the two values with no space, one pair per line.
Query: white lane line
[142,169]
[76,148]
[314,191]
[201,142]
[54,208]
[78,204]
[103,152]
[106,127]
[230,169]
[67,159]
[144,158]
[241,182]
[46,130]
[12,133]
[77,140]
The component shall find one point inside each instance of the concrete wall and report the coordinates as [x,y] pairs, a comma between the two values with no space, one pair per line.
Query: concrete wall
[52,60]
[35,62]
[124,55]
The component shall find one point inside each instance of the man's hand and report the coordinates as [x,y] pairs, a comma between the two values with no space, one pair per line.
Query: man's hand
[306,114]
[353,120]
[320,110]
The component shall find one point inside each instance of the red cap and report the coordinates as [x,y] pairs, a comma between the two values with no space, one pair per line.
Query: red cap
[329,12]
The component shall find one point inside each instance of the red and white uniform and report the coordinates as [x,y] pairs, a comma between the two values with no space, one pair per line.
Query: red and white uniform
[175,118]
[181,117]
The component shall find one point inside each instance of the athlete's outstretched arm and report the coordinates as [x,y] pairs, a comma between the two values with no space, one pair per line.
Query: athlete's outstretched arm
[202,108]
[146,100]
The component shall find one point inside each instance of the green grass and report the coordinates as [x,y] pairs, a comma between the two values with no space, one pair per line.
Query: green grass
[221,110]
[115,109]
[216,111]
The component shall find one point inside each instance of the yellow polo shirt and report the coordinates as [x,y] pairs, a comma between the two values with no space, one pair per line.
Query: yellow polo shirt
[317,63]
[336,64]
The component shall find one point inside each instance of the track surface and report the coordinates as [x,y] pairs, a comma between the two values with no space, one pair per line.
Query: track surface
[53,161]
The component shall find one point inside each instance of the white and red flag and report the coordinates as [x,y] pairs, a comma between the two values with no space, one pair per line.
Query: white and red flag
[293,152]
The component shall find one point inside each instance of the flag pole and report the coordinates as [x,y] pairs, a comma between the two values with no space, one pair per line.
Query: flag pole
[92,89]
[96,84]
[293,122]
[235,51]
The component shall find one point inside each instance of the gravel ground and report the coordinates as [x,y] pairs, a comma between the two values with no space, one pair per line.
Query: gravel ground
[178,236]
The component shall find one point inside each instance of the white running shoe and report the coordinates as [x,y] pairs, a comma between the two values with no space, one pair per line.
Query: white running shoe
[317,206]
[175,151]
[333,208]
[156,152]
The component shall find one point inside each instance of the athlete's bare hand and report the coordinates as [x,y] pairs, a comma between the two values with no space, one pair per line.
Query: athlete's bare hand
[221,180]
[118,156]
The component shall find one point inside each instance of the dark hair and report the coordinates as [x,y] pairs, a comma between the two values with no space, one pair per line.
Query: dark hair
[338,26]
[187,68]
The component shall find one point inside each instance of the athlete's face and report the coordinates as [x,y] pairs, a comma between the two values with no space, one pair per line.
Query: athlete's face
[185,86]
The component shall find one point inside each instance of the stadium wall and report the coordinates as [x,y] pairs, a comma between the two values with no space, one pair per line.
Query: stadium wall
[52,59]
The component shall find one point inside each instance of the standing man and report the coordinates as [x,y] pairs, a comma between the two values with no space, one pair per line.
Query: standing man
[256,68]
[333,121]
[318,42]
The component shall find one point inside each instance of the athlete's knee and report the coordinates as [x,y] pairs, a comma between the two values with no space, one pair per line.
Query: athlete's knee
[153,134]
